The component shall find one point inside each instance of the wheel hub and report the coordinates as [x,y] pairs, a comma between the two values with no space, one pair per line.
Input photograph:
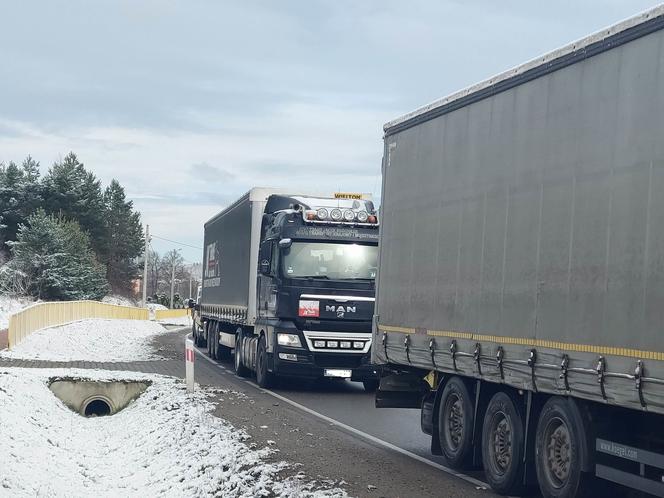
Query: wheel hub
[558,453]
[455,422]
[502,443]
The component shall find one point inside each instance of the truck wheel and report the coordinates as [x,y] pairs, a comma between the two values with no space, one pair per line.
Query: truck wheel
[455,423]
[371,385]
[215,341]
[200,339]
[208,337]
[502,445]
[263,377]
[559,443]
[240,369]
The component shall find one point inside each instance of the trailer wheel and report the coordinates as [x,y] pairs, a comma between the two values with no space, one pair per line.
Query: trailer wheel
[263,377]
[502,444]
[559,444]
[240,369]
[455,423]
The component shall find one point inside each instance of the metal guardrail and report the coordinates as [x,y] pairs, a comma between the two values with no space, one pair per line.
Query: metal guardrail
[42,315]
[174,313]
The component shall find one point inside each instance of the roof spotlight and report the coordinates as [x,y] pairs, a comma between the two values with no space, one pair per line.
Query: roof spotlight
[349,215]
[362,216]
[336,214]
[322,214]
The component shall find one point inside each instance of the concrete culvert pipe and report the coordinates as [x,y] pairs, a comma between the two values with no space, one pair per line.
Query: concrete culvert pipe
[97,408]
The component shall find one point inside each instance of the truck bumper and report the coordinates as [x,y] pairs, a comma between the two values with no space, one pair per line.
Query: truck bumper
[305,364]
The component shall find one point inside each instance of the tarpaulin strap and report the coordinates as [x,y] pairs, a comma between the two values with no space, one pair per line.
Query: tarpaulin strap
[477,354]
[564,365]
[500,354]
[432,348]
[406,343]
[385,346]
[532,359]
[453,351]
[638,378]
[601,369]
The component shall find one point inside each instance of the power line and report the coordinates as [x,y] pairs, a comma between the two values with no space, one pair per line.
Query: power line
[176,242]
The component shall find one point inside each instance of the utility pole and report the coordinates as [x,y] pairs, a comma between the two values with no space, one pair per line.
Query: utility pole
[172,281]
[146,257]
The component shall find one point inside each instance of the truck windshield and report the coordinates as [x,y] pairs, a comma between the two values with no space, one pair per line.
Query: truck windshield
[329,260]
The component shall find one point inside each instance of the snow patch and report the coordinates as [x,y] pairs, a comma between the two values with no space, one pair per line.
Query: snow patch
[10,305]
[165,443]
[155,306]
[90,340]
[119,300]
[181,320]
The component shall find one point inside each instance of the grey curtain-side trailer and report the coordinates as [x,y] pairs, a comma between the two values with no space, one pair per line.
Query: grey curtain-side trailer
[521,268]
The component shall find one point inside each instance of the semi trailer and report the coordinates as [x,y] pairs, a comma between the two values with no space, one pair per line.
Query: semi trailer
[520,292]
[288,286]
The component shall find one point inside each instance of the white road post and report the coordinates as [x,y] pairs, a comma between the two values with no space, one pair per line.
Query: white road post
[189,357]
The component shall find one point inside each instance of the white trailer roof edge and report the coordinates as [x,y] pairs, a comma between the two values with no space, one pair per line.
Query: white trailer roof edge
[542,60]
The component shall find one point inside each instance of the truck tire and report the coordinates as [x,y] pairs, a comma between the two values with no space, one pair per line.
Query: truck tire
[240,369]
[502,445]
[559,444]
[455,424]
[264,378]
[208,337]
[215,341]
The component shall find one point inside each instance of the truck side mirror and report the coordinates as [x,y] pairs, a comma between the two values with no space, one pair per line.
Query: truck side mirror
[285,243]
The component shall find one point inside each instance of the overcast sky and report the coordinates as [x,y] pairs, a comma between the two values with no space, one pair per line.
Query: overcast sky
[191,103]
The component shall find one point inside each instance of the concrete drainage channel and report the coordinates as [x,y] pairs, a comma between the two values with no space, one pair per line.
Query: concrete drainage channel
[94,398]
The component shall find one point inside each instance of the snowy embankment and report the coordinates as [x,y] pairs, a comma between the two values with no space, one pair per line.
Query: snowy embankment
[90,340]
[165,443]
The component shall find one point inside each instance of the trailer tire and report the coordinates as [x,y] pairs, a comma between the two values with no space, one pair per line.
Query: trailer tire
[560,446]
[264,378]
[240,369]
[455,424]
[502,444]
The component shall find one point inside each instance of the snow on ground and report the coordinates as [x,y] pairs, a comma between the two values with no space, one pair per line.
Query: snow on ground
[10,305]
[118,300]
[90,340]
[165,443]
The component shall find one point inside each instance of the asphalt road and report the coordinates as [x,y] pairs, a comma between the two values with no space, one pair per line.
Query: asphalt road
[336,433]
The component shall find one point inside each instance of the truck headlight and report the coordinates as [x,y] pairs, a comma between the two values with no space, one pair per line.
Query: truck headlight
[290,340]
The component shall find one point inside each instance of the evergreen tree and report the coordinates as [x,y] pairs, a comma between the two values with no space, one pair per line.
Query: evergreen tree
[70,191]
[55,257]
[123,239]
[20,196]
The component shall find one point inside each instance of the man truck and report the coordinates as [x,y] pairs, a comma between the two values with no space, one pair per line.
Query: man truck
[289,283]
[520,293]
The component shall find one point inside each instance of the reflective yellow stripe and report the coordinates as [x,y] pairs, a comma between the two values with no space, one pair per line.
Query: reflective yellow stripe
[542,343]
[402,330]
